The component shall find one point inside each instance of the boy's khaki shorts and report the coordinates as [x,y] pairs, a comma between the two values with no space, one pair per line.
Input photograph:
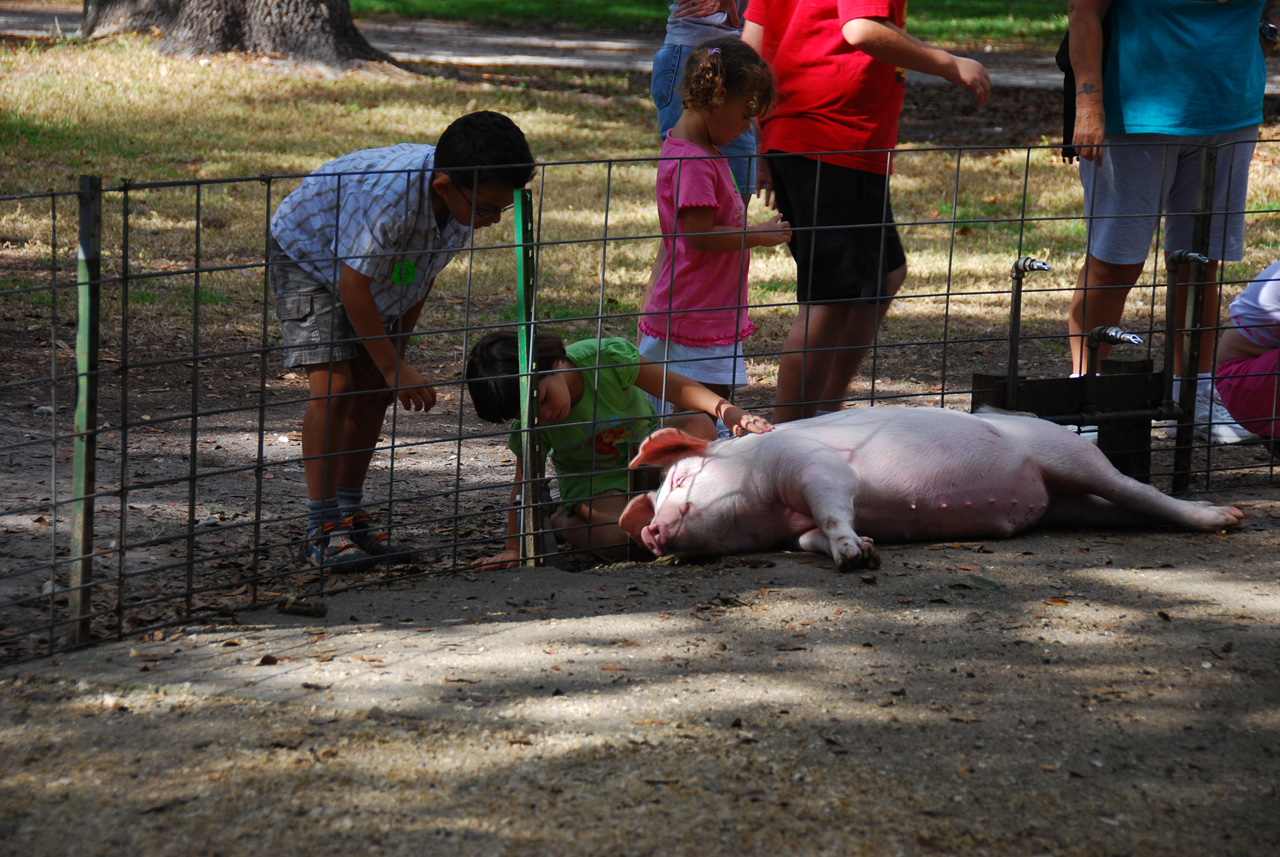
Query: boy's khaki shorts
[313,323]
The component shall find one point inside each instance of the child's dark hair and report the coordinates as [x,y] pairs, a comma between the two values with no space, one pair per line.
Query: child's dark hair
[731,65]
[493,371]
[482,148]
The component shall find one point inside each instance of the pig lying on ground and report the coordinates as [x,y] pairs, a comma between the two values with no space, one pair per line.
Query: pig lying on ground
[902,474]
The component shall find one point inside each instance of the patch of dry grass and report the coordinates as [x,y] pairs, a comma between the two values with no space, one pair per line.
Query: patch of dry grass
[118,109]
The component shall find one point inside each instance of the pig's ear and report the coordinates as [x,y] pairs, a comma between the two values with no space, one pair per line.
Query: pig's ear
[666,446]
[637,515]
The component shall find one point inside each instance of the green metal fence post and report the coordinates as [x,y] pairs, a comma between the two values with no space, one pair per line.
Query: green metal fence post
[531,517]
[84,481]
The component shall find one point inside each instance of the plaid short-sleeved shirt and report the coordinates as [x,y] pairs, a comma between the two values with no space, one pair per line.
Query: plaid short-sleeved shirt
[371,210]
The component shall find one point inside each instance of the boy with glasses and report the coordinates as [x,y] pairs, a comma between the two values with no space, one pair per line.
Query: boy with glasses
[353,254]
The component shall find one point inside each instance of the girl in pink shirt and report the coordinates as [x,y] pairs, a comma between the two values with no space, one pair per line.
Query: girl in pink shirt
[695,309]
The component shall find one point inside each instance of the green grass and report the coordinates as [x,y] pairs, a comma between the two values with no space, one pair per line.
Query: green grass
[1029,23]
[1035,23]
[633,15]
[28,290]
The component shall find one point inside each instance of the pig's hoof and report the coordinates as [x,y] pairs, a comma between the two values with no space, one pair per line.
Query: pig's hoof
[1222,517]
[1206,517]
[860,554]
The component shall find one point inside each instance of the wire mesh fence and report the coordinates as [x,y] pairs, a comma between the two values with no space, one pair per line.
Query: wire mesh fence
[152,436]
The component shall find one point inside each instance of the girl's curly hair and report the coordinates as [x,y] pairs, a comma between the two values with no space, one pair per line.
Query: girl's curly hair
[726,68]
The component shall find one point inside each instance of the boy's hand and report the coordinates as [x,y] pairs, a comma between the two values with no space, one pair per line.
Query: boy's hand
[742,422]
[411,388]
[972,76]
[772,232]
[506,559]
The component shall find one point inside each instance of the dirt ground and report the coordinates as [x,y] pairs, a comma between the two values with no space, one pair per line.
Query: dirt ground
[1060,693]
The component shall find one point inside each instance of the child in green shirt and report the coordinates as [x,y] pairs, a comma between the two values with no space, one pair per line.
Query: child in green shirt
[591,408]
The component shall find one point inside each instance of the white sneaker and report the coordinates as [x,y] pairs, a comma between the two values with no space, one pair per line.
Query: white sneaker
[1213,421]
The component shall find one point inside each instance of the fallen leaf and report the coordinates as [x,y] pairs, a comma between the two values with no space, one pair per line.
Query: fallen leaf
[984,580]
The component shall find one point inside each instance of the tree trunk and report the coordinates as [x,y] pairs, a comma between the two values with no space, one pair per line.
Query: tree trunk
[311,30]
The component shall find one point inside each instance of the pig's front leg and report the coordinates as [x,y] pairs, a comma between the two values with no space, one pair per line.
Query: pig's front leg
[815,541]
[829,485]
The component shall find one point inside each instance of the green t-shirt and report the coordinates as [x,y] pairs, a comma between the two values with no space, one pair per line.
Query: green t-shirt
[592,445]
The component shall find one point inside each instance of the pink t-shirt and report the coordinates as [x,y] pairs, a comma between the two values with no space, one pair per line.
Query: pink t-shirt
[699,299]
[831,97]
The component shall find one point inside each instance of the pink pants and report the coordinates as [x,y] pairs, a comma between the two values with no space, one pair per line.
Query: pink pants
[1250,390]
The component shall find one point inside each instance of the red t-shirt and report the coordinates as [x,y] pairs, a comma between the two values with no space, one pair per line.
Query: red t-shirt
[831,97]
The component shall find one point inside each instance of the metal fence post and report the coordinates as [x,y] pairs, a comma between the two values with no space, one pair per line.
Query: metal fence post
[84,481]
[531,518]
[1190,333]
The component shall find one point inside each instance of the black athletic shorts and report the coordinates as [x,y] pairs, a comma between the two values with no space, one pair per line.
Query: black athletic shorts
[843,238]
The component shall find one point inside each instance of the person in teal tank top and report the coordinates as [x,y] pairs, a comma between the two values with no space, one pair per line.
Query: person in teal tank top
[1175,77]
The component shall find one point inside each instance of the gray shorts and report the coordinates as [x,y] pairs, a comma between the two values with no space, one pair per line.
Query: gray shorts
[1145,175]
[313,323]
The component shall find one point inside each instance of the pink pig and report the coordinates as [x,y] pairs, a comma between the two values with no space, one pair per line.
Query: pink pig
[903,474]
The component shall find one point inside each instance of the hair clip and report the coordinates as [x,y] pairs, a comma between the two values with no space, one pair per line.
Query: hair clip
[713,52]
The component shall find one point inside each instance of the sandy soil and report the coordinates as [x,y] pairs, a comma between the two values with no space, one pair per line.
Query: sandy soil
[1059,693]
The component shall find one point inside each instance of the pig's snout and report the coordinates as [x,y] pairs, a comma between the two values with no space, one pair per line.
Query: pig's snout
[654,537]
[662,535]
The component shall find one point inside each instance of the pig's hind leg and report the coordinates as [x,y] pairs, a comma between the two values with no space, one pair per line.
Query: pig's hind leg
[1086,490]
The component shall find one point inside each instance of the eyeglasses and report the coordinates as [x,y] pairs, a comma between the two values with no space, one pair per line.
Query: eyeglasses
[483,213]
